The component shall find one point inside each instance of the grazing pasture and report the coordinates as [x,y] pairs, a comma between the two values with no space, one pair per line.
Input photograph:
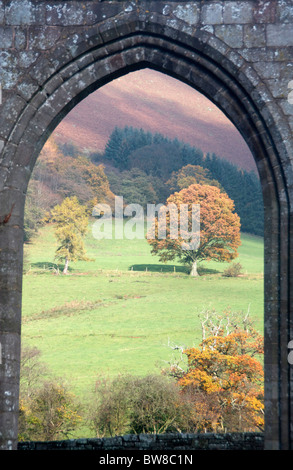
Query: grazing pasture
[121,312]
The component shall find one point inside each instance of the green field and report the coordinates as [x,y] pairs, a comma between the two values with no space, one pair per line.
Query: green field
[116,314]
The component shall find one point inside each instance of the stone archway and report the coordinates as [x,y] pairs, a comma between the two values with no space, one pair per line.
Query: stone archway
[69,61]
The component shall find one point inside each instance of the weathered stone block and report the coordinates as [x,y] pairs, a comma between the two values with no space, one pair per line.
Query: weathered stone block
[8,59]
[10,111]
[60,57]
[239,12]
[67,14]
[101,12]
[107,30]
[44,37]
[268,69]
[212,13]
[68,71]
[188,13]
[24,12]
[6,37]
[27,88]
[19,12]
[232,35]
[284,12]
[255,54]
[264,11]
[9,282]
[20,38]
[280,35]
[1,12]
[41,70]
[27,58]
[53,84]
[251,75]
[254,35]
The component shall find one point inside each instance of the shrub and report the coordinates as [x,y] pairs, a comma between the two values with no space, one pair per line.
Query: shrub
[234,270]
[47,409]
[135,405]
[155,405]
[108,413]
[49,414]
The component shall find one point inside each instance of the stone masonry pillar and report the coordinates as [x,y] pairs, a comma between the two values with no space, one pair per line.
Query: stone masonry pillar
[11,243]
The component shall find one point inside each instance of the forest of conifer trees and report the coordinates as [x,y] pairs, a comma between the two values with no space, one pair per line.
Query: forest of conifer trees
[140,164]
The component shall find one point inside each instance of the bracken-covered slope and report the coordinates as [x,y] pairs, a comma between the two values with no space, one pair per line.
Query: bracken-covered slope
[157,103]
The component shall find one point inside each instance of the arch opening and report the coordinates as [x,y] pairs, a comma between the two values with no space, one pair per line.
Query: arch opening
[149,267]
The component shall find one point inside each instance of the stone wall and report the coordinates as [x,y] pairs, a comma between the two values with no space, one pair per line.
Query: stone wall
[159,442]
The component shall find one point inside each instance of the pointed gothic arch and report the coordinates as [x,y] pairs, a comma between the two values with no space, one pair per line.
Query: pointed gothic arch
[80,65]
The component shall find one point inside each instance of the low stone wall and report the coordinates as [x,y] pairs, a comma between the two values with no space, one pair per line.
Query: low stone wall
[158,442]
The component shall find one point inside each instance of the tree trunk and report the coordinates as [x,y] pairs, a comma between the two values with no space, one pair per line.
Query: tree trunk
[193,271]
[66,266]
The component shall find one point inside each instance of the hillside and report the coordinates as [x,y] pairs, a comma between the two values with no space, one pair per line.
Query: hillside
[156,103]
[139,166]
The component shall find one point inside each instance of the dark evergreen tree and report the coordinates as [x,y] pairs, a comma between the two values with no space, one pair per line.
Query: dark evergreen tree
[113,146]
[158,156]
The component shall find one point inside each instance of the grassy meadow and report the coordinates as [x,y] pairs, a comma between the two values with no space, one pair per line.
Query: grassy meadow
[116,314]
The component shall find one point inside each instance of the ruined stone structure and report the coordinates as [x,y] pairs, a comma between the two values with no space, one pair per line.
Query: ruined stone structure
[159,442]
[237,53]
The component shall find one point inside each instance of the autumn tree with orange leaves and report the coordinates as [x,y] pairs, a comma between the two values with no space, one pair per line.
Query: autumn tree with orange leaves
[224,376]
[219,227]
[188,175]
[227,381]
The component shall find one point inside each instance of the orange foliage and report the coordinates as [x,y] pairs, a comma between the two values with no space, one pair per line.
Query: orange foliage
[219,227]
[225,372]
[69,176]
[191,174]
